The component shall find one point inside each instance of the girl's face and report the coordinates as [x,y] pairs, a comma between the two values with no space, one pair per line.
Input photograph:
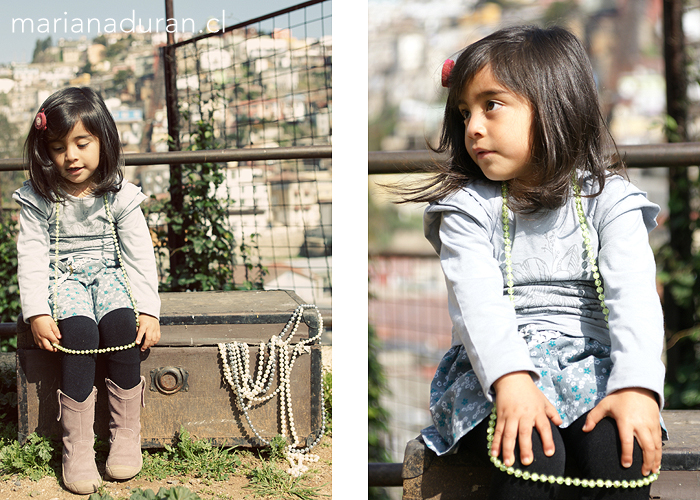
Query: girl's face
[76,156]
[497,128]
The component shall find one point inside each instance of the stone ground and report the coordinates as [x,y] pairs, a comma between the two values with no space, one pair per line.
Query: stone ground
[49,488]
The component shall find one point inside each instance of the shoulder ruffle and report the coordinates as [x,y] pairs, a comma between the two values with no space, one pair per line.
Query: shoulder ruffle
[26,196]
[620,196]
[479,200]
[126,200]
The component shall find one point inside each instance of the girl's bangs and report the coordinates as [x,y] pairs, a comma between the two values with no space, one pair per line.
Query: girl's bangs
[59,124]
[62,119]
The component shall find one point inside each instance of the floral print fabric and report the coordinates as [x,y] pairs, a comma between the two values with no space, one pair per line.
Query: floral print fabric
[573,371]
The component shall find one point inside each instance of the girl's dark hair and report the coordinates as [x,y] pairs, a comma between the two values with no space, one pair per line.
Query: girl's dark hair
[63,110]
[550,69]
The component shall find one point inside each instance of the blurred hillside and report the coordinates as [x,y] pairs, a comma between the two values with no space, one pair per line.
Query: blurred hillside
[409,40]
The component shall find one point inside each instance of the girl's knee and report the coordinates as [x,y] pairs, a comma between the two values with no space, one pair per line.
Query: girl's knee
[79,332]
[118,318]
[118,327]
[543,464]
[599,453]
[505,485]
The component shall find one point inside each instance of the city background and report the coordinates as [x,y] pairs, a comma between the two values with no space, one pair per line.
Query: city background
[408,42]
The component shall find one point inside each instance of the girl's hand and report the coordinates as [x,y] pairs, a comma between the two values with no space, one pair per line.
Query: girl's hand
[636,413]
[520,406]
[149,331]
[45,332]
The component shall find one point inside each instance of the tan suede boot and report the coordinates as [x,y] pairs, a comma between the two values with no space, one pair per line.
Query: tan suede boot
[124,460]
[79,470]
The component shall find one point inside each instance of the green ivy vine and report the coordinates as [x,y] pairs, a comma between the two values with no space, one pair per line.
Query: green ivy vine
[9,299]
[209,249]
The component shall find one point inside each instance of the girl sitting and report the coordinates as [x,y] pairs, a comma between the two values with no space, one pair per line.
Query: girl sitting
[550,277]
[87,277]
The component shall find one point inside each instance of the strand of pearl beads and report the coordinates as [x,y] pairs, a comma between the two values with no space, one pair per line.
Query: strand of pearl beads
[589,251]
[120,258]
[507,242]
[241,358]
[104,350]
[235,361]
[586,483]
[568,481]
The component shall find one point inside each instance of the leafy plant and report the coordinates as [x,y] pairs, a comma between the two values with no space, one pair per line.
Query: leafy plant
[378,416]
[207,244]
[32,460]
[327,382]
[176,493]
[9,299]
[100,495]
[198,458]
[8,402]
[204,253]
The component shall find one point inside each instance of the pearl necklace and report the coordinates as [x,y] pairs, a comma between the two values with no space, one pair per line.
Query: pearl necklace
[236,367]
[543,478]
[126,280]
[586,483]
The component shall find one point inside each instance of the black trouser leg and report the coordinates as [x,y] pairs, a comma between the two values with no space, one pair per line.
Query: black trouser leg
[118,328]
[78,370]
[505,486]
[596,453]
[598,456]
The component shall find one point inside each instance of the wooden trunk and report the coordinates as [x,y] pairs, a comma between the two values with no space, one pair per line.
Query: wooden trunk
[184,383]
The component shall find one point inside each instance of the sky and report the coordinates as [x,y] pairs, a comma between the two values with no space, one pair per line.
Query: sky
[70,19]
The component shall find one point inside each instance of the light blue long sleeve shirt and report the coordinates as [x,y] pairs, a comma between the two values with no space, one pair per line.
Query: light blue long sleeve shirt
[84,234]
[554,286]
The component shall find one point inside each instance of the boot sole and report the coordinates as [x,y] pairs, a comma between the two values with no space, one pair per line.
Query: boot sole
[122,472]
[84,487]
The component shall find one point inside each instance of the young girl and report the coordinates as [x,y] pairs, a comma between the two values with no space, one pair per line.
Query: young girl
[87,277]
[550,277]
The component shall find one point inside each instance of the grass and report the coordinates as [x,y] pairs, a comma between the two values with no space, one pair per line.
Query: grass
[270,481]
[190,457]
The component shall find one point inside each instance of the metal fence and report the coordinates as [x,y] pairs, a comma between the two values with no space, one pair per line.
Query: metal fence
[408,310]
[226,156]
[265,83]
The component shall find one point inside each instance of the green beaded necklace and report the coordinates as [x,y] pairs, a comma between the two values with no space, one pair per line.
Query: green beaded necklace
[543,478]
[126,280]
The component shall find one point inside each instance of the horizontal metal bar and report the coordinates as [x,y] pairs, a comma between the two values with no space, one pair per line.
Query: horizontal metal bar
[7,330]
[635,156]
[206,156]
[385,474]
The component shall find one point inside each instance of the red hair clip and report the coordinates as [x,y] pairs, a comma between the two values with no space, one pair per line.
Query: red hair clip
[446,70]
[40,120]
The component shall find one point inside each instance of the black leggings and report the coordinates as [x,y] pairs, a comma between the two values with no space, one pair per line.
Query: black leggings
[80,333]
[596,455]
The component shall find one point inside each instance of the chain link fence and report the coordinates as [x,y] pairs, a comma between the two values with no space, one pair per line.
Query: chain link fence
[266,83]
